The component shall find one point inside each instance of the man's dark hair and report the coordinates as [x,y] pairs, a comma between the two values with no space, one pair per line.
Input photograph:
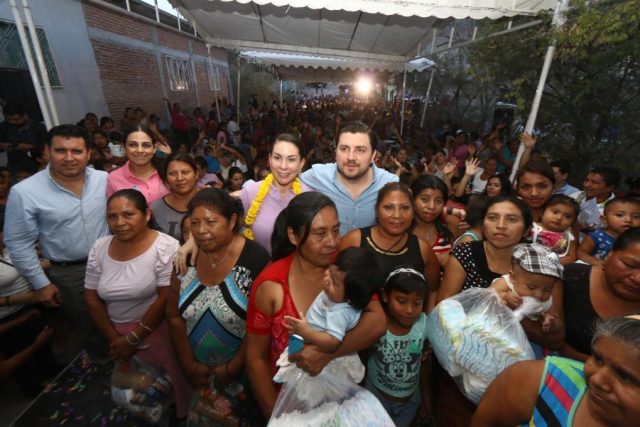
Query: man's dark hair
[14,109]
[201,162]
[563,165]
[69,131]
[611,176]
[539,167]
[359,127]
[363,277]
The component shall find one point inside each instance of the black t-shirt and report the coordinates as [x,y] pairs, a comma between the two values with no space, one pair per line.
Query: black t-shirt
[409,255]
[33,132]
[473,260]
[579,314]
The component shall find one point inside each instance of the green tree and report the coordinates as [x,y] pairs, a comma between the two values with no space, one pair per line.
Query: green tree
[590,106]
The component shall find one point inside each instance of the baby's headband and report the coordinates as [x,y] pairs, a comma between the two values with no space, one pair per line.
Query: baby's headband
[404,270]
[633,316]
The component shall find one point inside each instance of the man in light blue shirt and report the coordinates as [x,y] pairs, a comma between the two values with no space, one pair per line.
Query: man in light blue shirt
[561,171]
[353,181]
[63,208]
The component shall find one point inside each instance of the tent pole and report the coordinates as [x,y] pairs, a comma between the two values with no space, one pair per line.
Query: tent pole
[215,92]
[404,88]
[40,63]
[426,101]
[215,97]
[42,102]
[238,97]
[558,21]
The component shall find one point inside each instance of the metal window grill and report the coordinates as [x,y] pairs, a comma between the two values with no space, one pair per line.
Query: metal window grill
[180,75]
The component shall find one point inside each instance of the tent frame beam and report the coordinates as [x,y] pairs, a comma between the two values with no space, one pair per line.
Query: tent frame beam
[283,48]
[448,46]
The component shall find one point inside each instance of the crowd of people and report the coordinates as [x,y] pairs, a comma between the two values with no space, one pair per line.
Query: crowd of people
[201,244]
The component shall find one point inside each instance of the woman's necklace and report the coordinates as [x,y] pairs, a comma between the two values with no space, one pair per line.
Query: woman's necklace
[387,251]
[427,232]
[215,264]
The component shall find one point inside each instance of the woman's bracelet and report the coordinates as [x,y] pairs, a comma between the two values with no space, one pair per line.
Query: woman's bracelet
[126,337]
[145,327]
[136,336]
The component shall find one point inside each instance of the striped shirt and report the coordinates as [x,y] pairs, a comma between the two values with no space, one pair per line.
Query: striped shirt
[561,389]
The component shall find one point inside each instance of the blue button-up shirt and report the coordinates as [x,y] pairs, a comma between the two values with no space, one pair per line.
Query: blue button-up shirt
[66,225]
[352,213]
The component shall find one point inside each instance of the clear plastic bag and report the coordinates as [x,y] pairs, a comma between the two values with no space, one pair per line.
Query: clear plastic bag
[142,389]
[325,400]
[475,337]
[224,407]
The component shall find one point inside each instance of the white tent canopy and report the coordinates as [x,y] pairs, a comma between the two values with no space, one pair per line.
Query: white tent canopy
[301,67]
[378,30]
[370,30]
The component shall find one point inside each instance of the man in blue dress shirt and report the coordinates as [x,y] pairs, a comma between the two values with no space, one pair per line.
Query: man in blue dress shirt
[63,209]
[353,181]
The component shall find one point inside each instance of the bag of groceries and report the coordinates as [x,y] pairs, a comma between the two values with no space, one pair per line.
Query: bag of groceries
[142,389]
[475,337]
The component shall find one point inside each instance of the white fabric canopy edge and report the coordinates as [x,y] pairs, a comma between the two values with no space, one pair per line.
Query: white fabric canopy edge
[295,49]
[475,9]
[282,60]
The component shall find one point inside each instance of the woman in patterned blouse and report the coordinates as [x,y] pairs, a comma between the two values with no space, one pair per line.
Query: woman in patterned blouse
[207,306]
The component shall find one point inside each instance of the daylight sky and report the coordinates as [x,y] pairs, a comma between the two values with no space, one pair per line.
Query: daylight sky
[163,5]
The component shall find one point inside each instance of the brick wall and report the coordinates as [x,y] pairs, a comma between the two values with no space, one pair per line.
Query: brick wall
[130,53]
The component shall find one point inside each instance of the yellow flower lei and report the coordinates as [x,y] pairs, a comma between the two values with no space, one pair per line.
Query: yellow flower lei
[256,204]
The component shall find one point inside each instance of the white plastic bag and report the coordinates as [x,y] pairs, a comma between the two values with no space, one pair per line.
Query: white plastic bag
[475,337]
[142,389]
[325,400]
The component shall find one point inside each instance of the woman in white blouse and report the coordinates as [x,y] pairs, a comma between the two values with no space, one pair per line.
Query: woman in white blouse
[126,288]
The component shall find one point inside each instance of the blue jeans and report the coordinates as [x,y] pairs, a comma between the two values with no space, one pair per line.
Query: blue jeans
[402,413]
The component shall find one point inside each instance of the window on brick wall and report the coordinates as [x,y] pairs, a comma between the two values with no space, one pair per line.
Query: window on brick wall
[213,73]
[180,75]
[12,55]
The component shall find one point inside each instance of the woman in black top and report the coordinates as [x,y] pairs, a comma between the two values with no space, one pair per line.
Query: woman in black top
[600,293]
[506,221]
[476,264]
[391,239]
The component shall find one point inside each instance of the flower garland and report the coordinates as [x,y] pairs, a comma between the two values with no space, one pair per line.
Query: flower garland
[256,204]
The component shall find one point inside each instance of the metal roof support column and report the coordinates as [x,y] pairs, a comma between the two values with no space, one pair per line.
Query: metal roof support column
[215,92]
[238,97]
[40,63]
[24,41]
[426,101]
[404,89]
